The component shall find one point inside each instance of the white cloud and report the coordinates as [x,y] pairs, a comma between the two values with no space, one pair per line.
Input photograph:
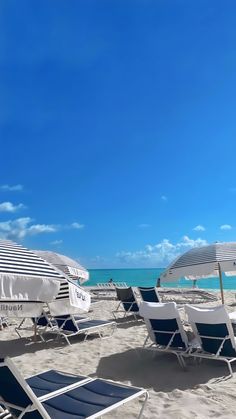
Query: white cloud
[226,227]
[12,188]
[96,262]
[9,207]
[144,225]
[164,198]
[159,254]
[98,258]
[199,228]
[77,226]
[56,242]
[14,229]
[41,228]
[22,227]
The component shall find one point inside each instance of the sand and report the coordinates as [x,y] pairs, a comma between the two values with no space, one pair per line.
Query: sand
[202,391]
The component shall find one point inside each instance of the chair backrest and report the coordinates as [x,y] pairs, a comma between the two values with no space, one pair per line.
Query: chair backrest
[67,322]
[42,320]
[128,299]
[149,294]
[15,390]
[164,324]
[211,326]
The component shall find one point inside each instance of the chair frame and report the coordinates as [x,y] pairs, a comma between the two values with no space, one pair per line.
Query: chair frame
[60,331]
[166,349]
[36,328]
[4,413]
[51,326]
[199,352]
[36,404]
[154,346]
[125,313]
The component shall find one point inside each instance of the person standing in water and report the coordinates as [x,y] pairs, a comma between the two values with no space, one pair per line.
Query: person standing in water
[194,283]
[158,283]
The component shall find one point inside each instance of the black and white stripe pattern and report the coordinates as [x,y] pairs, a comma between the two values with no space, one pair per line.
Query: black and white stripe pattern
[67,271]
[64,291]
[27,278]
[17,260]
[203,262]
[215,253]
[70,267]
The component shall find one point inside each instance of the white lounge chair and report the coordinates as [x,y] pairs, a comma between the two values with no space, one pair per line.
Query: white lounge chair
[165,329]
[70,325]
[105,285]
[212,327]
[57,395]
[39,325]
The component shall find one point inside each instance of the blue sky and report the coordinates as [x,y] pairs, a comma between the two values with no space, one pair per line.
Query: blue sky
[117,127]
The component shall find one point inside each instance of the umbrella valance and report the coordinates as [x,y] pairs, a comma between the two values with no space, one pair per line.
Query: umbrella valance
[65,264]
[25,276]
[27,281]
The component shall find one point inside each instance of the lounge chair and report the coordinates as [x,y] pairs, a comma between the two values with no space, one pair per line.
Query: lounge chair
[69,325]
[37,324]
[57,395]
[165,330]
[127,302]
[105,285]
[213,330]
[149,294]
[45,323]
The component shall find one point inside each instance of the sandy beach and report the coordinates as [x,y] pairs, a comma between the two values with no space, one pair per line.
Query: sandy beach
[202,391]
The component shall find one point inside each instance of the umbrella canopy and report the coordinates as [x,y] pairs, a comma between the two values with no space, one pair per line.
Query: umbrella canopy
[67,265]
[27,281]
[203,262]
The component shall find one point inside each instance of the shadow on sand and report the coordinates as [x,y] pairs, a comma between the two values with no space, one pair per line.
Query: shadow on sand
[128,321]
[17,347]
[161,372]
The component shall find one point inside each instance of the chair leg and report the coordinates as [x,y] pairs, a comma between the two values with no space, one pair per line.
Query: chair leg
[182,361]
[41,336]
[67,340]
[5,415]
[18,333]
[229,367]
[146,340]
[143,406]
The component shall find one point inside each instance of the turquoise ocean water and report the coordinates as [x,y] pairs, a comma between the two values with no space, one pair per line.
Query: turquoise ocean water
[148,277]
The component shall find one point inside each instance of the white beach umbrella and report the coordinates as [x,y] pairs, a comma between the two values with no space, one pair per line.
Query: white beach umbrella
[67,265]
[203,262]
[27,281]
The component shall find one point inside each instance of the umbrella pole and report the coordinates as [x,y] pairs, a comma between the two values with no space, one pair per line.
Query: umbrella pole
[221,285]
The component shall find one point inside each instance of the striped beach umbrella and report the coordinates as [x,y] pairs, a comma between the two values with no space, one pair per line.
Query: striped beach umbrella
[65,264]
[27,281]
[203,262]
